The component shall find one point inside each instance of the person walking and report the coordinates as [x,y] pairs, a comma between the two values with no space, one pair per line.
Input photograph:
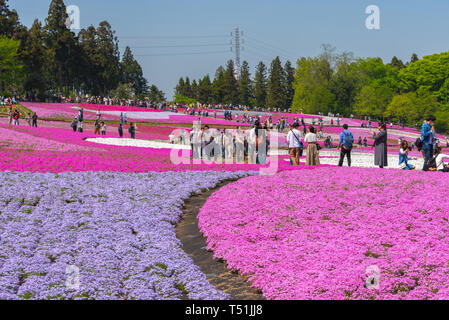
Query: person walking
[28,118]
[346,144]
[120,130]
[34,118]
[103,128]
[16,117]
[132,130]
[74,124]
[295,145]
[380,143]
[312,149]
[427,131]
[97,127]
[10,115]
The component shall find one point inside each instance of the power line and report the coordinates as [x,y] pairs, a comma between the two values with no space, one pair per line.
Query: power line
[179,54]
[173,37]
[277,48]
[178,46]
[265,52]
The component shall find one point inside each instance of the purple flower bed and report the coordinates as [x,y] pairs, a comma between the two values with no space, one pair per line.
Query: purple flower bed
[117,228]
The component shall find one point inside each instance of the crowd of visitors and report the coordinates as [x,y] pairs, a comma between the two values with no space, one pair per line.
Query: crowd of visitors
[100,126]
[249,146]
[15,115]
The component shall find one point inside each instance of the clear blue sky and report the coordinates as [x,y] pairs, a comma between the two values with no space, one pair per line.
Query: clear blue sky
[191,37]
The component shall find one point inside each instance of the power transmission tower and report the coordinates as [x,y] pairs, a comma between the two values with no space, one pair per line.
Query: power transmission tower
[237,45]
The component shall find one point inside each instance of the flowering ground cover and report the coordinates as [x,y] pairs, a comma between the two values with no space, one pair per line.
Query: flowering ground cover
[70,110]
[319,233]
[117,228]
[47,149]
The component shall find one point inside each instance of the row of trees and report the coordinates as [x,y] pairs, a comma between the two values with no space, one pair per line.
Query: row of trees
[395,91]
[50,59]
[271,88]
[337,83]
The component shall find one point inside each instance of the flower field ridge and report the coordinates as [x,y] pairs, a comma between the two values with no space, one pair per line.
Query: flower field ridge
[317,234]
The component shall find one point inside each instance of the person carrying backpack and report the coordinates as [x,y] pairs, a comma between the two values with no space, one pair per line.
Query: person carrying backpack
[346,143]
[295,145]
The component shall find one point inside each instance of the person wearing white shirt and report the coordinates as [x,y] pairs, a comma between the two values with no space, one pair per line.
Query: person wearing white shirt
[312,151]
[294,144]
[439,161]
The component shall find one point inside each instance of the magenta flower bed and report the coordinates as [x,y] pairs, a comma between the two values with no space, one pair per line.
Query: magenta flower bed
[43,149]
[315,234]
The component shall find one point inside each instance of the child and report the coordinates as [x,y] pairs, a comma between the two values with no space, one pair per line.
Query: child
[103,128]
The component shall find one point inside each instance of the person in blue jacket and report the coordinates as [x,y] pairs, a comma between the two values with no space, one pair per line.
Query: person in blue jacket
[346,144]
[427,133]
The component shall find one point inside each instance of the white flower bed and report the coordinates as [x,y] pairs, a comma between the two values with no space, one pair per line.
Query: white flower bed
[124,142]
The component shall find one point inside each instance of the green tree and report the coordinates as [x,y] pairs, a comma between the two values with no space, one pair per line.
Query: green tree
[312,93]
[218,89]
[289,79]
[260,85]
[373,101]
[188,92]
[10,65]
[9,20]
[155,95]
[180,87]
[59,38]
[123,91]
[276,95]
[89,62]
[205,90]
[131,72]
[108,56]
[230,85]
[245,85]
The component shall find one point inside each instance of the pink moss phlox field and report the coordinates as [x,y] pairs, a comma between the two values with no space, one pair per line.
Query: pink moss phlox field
[44,149]
[313,234]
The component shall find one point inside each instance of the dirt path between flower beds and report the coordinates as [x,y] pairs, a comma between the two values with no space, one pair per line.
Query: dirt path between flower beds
[194,245]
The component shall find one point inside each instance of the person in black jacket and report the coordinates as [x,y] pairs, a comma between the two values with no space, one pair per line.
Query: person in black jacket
[132,130]
[120,130]
[34,118]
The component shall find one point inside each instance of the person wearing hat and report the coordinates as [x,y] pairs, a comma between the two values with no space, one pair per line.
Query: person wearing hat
[295,145]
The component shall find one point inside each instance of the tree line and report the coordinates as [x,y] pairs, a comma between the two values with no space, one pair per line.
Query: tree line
[49,59]
[395,91]
[336,83]
[272,88]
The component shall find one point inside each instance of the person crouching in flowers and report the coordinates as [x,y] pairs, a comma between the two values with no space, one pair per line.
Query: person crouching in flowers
[312,149]
[403,157]
[437,162]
